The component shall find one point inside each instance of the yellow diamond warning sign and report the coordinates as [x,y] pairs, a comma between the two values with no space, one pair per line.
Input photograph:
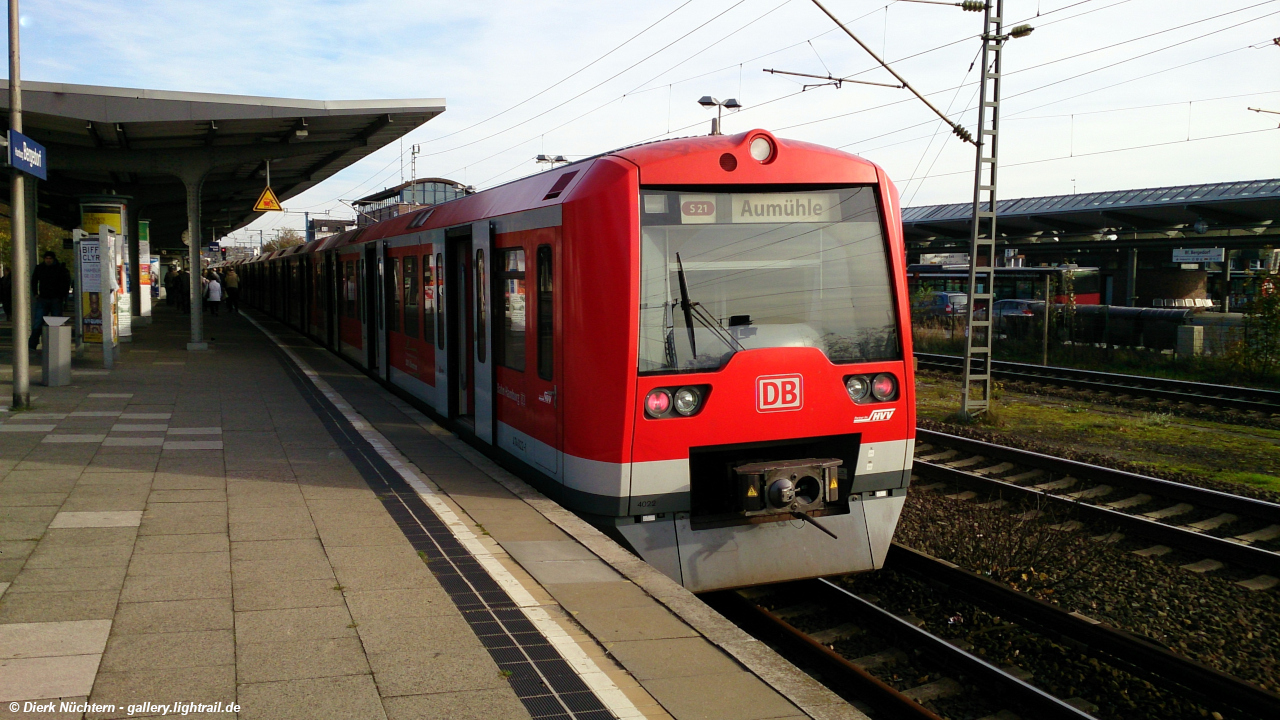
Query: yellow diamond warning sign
[267,202]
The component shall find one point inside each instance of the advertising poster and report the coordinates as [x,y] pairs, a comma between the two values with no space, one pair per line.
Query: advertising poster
[145,277]
[90,298]
[91,216]
[124,298]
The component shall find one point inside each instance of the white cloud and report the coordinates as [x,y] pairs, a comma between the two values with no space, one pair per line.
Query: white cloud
[486,56]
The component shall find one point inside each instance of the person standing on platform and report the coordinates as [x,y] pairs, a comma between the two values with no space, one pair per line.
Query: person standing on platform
[50,282]
[204,289]
[171,287]
[183,284]
[233,291]
[214,294]
[6,296]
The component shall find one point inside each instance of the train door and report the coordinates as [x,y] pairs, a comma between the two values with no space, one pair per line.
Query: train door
[545,413]
[482,314]
[331,299]
[389,269]
[444,365]
[372,316]
[461,337]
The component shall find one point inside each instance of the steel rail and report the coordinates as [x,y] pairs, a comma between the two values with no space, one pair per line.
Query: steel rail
[1227,551]
[1202,497]
[1043,705]
[1228,396]
[1142,655]
[845,678]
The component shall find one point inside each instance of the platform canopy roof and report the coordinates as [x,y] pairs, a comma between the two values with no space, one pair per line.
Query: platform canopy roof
[145,143]
[1221,206]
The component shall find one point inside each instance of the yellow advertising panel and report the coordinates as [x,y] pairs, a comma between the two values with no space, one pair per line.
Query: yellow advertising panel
[91,216]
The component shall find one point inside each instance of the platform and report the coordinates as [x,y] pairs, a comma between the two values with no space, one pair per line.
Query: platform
[261,525]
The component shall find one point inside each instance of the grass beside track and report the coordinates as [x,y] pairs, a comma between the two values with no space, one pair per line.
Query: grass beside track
[1163,444]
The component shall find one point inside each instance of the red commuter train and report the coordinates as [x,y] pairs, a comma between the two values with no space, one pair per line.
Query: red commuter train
[700,345]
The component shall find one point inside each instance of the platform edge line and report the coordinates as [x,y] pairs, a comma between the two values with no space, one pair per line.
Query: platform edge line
[609,694]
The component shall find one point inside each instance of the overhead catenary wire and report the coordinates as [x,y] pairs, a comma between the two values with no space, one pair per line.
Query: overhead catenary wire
[639,90]
[542,92]
[959,130]
[1062,80]
[1113,150]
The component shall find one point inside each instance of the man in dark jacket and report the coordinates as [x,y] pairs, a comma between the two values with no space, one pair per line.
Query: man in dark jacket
[50,283]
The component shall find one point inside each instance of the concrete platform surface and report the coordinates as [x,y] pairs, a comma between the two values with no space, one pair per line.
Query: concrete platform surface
[264,532]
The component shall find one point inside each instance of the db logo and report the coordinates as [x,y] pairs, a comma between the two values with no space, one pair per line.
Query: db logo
[875,416]
[775,393]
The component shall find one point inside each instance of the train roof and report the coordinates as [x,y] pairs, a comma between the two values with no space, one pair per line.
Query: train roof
[661,163]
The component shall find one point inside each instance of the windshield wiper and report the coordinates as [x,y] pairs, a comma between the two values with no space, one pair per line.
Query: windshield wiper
[695,310]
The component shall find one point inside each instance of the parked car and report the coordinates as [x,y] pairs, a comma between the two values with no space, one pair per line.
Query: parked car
[1016,315]
[943,304]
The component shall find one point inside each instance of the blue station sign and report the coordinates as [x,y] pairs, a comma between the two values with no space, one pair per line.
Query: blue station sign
[28,156]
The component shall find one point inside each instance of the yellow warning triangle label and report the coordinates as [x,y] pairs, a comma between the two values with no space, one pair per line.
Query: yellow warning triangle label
[267,202]
[751,491]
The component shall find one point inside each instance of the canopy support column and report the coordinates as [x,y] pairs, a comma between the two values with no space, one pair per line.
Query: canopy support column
[194,182]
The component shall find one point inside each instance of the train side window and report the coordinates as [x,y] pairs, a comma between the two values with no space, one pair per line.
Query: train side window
[546,333]
[428,299]
[393,276]
[481,323]
[440,300]
[359,285]
[410,287]
[509,350]
[349,287]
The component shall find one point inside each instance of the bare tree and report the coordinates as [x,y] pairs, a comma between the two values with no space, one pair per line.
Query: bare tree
[287,237]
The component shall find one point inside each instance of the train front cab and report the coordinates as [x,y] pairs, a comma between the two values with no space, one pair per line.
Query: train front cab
[773,435]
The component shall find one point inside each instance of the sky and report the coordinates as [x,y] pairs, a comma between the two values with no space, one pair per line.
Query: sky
[1103,95]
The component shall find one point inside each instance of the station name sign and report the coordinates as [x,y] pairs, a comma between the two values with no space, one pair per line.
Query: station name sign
[27,155]
[1198,255]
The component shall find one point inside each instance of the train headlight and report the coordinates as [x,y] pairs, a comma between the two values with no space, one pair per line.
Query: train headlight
[761,149]
[884,387]
[657,402]
[687,401]
[858,388]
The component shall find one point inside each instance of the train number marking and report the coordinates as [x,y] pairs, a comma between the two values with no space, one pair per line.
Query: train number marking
[698,208]
[779,393]
[875,416]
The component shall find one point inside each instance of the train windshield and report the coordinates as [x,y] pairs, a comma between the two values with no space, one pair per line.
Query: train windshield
[726,272]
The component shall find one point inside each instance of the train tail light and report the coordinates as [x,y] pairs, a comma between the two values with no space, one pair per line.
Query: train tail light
[657,402]
[884,387]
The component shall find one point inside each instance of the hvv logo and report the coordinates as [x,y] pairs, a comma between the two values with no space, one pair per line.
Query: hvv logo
[775,393]
[876,416]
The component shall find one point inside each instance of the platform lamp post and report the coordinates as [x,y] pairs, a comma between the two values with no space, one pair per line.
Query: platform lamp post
[709,102]
[20,265]
[975,393]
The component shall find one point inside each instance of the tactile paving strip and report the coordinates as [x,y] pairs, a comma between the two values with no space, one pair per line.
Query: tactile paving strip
[541,678]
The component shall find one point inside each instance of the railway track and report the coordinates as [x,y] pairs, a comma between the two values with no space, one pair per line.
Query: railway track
[1232,397]
[944,670]
[811,619]
[1222,528]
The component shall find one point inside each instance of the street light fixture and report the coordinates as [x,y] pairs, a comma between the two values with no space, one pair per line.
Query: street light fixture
[709,102]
